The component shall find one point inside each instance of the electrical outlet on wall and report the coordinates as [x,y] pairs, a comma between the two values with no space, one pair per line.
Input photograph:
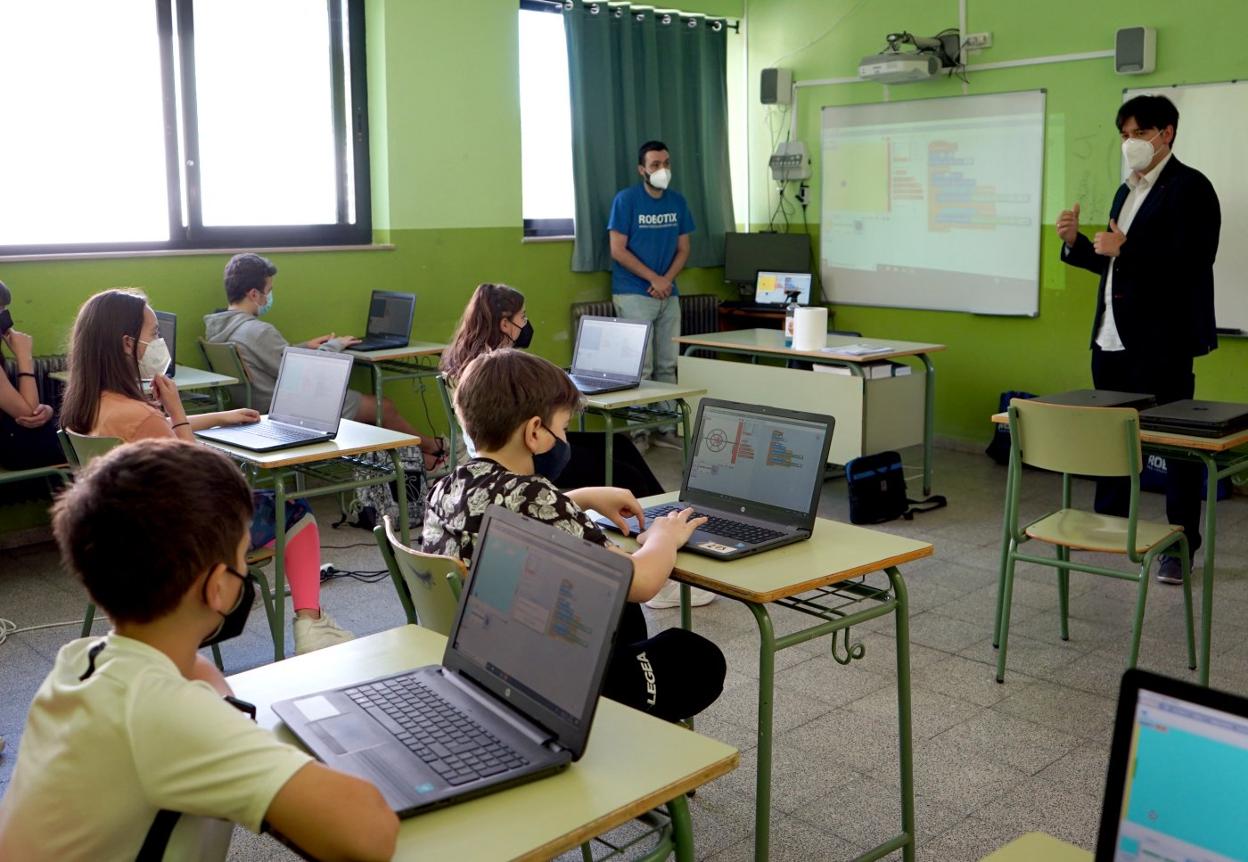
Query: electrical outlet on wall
[977,41]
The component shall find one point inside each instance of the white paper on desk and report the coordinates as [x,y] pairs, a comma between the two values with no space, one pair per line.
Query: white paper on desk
[858,349]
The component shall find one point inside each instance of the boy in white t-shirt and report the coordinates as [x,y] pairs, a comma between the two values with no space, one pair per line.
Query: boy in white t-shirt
[130,728]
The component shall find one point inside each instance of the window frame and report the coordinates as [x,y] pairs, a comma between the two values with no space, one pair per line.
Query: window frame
[181,148]
[545,228]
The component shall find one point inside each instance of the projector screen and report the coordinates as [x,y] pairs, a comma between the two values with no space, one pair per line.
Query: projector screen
[934,203]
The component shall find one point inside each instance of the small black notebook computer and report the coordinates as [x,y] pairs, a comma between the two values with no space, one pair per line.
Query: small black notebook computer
[610,354]
[515,695]
[1177,783]
[390,317]
[756,472]
[1100,398]
[1196,418]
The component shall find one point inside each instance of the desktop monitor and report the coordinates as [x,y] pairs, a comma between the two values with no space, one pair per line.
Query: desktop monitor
[747,253]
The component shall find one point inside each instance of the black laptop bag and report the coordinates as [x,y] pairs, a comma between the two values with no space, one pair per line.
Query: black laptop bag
[877,490]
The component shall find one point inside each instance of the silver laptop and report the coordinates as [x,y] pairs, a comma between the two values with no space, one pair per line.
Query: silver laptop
[515,695]
[610,354]
[306,408]
[756,472]
[390,317]
[1175,788]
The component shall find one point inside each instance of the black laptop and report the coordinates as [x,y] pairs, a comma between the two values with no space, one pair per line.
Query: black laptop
[610,354]
[390,317]
[1177,784]
[306,408]
[515,695]
[1100,398]
[756,472]
[1196,418]
[168,323]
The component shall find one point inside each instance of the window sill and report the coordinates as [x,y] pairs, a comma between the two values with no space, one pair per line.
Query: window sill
[541,239]
[190,252]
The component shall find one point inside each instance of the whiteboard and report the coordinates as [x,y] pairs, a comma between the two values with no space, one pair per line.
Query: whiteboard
[1213,121]
[934,203]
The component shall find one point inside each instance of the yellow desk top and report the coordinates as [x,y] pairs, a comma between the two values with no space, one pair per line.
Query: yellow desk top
[835,552]
[353,438]
[633,762]
[772,341]
[1038,847]
[1167,438]
[413,349]
[185,378]
[649,392]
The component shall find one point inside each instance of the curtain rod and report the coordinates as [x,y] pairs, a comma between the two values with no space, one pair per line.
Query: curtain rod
[560,5]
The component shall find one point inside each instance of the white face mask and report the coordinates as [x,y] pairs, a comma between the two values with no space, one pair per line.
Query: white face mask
[661,178]
[155,359]
[1138,152]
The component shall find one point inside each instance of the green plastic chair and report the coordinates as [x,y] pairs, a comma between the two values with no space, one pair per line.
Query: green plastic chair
[445,389]
[428,585]
[82,449]
[1083,441]
[222,358]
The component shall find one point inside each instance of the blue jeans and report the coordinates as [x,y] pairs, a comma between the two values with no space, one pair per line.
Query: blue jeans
[664,314]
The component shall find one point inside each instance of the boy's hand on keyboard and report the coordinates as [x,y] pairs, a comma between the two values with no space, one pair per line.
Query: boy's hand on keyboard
[674,526]
[615,504]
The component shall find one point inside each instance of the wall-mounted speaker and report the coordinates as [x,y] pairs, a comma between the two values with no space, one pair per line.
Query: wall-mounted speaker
[776,87]
[1135,50]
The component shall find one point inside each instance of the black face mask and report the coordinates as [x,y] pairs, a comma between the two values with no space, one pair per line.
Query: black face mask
[554,460]
[232,623]
[6,321]
[525,337]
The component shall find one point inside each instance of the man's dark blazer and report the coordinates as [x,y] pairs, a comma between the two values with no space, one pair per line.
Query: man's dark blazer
[1163,275]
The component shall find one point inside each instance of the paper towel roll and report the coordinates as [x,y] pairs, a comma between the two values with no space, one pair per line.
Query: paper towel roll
[810,328]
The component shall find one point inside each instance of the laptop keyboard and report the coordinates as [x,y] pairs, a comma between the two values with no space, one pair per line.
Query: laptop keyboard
[591,382]
[272,431]
[455,747]
[735,530]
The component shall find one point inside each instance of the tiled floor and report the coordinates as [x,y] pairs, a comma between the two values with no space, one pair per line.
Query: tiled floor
[991,761]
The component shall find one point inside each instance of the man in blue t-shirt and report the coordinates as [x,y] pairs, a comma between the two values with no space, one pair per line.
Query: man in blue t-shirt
[650,226]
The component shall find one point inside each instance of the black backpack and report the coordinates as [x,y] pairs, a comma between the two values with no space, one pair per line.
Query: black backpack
[999,446]
[877,490]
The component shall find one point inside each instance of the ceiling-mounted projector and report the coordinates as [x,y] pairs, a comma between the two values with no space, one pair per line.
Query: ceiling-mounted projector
[894,66]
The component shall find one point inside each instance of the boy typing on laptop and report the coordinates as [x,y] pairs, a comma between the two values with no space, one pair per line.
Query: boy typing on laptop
[516,408]
[130,747]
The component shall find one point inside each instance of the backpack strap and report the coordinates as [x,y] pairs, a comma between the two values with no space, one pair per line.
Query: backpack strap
[157,839]
[928,504]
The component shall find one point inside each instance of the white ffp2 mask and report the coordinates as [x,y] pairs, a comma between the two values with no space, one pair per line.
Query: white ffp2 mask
[661,178]
[155,359]
[1138,152]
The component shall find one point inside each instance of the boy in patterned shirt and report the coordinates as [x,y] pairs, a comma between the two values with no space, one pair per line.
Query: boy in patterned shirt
[516,408]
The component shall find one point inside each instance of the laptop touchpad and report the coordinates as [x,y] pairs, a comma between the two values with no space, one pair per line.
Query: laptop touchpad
[348,733]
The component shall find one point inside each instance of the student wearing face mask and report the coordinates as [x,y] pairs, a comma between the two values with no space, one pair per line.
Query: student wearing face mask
[516,407]
[116,347]
[649,230]
[1154,309]
[27,429]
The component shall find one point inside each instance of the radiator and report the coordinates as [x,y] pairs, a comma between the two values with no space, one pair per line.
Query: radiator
[699,312]
[49,390]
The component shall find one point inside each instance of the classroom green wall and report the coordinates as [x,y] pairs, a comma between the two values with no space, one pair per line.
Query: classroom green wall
[1195,42]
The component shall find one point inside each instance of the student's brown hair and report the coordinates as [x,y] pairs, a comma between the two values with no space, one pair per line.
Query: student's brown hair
[478,329]
[97,362]
[244,273]
[501,390]
[140,524]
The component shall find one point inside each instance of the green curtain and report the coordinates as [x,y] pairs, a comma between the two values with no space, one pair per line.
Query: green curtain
[637,75]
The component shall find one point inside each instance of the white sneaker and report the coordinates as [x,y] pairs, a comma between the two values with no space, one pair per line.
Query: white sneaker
[667,440]
[312,633]
[669,597]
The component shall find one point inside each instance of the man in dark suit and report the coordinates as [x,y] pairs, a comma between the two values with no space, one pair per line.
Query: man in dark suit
[1154,311]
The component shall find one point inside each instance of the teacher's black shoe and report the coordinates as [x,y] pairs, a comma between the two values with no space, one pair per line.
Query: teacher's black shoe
[1170,571]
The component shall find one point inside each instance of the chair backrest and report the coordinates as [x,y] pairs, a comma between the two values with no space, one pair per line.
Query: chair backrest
[432,582]
[222,358]
[457,434]
[81,449]
[1084,441]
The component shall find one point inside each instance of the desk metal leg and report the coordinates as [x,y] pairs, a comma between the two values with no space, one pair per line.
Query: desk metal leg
[682,828]
[1206,588]
[401,479]
[766,687]
[1005,554]
[904,740]
[219,392]
[279,566]
[378,381]
[929,418]
[608,447]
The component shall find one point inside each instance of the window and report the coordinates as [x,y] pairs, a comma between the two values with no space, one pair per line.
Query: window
[149,124]
[545,122]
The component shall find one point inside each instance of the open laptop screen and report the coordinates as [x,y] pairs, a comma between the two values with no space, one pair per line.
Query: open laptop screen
[390,314]
[610,346]
[1184,792]
[310,389]
[773,460]
[770,288]
[168,323]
